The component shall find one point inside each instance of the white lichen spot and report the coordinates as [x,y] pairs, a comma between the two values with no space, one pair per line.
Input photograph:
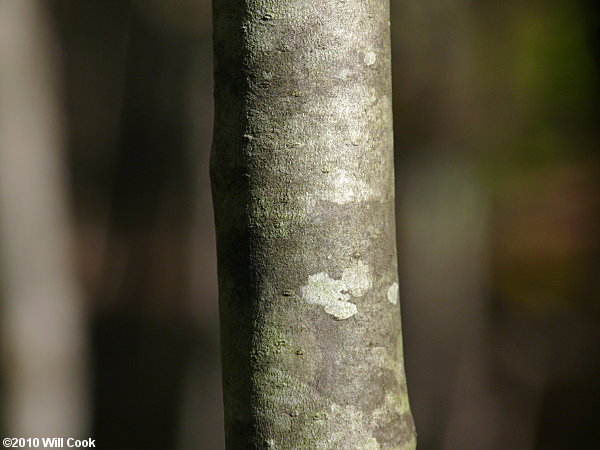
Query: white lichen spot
[392,294]
[327,292]
[370,58]
[341,310]
[335,295]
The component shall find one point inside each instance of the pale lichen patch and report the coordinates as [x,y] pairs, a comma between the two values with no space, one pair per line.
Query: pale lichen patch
[370,58]
[392,294]
[327,292]
[341,310]
[334,295]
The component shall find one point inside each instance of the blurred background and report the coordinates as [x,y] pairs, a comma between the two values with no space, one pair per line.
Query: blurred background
[108,300]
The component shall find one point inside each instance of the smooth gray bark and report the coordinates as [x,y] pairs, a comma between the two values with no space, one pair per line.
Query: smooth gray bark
[302,172]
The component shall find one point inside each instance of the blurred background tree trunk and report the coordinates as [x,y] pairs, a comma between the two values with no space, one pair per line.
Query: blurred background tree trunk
[133,173]
[44,358]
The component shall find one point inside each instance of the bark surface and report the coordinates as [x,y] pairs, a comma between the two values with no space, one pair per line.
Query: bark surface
[302,172]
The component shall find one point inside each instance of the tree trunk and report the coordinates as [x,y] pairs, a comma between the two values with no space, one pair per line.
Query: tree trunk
[302,172]
[43,340]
